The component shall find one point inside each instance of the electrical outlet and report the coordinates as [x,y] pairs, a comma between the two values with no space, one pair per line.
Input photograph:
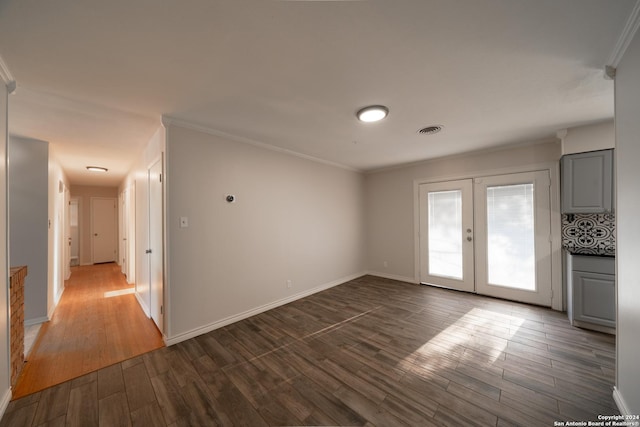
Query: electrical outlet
[289,284]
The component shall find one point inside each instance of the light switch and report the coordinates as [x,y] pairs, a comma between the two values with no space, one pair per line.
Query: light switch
[184,222]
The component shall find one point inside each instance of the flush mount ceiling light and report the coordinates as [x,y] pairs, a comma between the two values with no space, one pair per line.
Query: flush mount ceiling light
[372,113]
[430,130]
[96,169]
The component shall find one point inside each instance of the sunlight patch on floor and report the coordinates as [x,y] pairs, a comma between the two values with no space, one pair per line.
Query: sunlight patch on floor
[471,331]
[120,292]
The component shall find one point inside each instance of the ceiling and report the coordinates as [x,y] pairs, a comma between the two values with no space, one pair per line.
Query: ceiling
[95,77]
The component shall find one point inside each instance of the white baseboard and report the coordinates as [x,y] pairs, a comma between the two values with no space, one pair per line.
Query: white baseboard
[5,402]
[146,310]
[56,300]
[620,403]
[261,309]
[392,276]
[36,321]
[49,313]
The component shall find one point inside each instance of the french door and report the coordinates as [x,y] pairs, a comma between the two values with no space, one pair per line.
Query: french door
[507,254]
[446,234]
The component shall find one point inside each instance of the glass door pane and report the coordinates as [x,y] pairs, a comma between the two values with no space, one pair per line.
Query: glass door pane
[510,236]
[445,233]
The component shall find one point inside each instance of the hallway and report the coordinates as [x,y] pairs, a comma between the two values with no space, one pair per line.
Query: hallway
[97,323]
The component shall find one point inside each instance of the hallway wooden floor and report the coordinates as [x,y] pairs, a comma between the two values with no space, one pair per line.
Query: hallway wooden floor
[95,325]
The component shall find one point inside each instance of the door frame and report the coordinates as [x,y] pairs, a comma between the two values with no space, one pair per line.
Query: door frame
[115,225]
[542,229]
[558,297]
[123,220]
[66,206]
[78,202]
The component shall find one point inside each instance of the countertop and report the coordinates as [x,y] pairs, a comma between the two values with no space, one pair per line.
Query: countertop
[15,270]
[606,251]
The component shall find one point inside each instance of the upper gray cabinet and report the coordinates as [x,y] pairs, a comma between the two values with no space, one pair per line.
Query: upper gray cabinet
[587,182]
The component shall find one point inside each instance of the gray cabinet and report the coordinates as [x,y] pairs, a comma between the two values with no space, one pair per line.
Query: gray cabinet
[592,292]
[587,182]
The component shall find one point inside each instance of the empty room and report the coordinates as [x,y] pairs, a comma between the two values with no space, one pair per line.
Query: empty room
[319,212]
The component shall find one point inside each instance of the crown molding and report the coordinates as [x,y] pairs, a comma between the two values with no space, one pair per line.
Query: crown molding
[629,30]
[172,121]
[166,121]
[6,76]
[562,134]
[462,155]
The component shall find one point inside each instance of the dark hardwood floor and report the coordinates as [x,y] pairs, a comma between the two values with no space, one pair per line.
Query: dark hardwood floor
[372,352]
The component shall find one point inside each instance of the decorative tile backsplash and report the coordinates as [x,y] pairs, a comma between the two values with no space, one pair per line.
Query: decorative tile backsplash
[589,233]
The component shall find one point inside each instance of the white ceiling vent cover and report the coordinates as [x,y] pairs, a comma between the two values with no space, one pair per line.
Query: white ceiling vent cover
[430,130]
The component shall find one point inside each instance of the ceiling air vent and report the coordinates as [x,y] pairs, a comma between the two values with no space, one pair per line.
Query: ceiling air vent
[430,130]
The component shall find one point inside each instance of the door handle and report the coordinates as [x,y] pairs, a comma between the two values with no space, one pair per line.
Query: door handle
[148,251]
[469,238]
[96,235]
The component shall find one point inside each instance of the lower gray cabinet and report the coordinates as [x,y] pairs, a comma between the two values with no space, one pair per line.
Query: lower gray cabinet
[592,292]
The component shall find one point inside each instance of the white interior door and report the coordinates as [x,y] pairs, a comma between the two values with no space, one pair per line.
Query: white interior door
[156,246]
[142,243]
[104,217]
[131,234]
[446,234]
[513,231]
[122,233]
[74,232]
[66,206]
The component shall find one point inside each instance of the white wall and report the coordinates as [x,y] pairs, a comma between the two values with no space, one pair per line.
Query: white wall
[58,238]
[627,104]
[598,136]
[5,390]
[390,202]
[294,219]
[28,221]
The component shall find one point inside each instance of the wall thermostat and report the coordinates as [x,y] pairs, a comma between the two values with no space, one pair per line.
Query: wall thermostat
[231,198]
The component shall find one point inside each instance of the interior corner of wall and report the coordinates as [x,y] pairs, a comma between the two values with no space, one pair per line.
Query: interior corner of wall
[56,300]
[4,402]
[620,402]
